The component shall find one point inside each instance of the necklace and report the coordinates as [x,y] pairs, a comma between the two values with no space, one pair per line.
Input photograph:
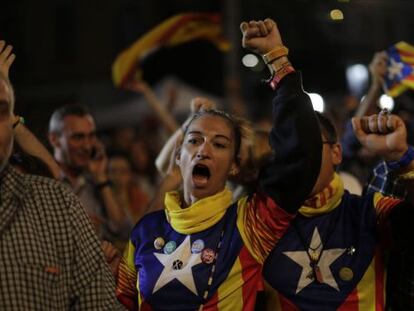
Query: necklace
[213,266]
[315,253]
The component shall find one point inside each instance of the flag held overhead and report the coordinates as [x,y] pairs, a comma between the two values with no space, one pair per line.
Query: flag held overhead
[174,31]
[400,73]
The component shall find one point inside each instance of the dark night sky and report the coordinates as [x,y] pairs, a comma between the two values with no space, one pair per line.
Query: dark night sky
[65,48]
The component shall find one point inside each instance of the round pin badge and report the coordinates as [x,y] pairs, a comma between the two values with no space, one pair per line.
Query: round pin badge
[170,247]
[197,247]
[159,243]
[208,255]
[346,274]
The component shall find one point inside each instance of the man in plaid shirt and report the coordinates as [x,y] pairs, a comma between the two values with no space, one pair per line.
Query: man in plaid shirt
[400,284]
[49,253]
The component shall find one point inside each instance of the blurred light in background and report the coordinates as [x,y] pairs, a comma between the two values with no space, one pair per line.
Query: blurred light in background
[317,102]
[336,15]
[387,102]
[250,60]
[357,78]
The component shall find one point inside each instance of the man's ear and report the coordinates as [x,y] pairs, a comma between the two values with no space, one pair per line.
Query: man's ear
[54,140]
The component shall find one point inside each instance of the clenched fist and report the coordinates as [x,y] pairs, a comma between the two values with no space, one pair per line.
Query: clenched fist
[260,36]
[383,134]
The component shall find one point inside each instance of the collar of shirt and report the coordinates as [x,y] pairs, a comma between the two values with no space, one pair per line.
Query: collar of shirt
[79,184]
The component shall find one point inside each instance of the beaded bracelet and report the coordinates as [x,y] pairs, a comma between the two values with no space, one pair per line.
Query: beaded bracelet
[280,74]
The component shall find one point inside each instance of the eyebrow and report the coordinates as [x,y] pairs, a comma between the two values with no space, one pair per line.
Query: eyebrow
[215,136]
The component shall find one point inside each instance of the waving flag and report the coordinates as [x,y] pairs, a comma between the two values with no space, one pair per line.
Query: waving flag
[400,74]
[174,31]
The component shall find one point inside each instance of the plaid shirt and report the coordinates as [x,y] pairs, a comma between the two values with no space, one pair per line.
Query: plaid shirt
[50,256]
[400,287]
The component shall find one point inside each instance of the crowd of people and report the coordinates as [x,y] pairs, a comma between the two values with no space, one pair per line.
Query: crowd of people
[227,217]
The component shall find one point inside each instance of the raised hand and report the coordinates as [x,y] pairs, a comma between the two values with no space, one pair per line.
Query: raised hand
[112,256]
[378,67]
[384,135]
[201,103]
[138,86]
[98,163]
[6,58]
[260,36]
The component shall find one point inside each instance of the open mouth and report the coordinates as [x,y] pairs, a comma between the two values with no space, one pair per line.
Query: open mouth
[201,175]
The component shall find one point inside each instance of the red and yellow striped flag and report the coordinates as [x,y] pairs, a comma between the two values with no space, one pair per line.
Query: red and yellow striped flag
[174,31]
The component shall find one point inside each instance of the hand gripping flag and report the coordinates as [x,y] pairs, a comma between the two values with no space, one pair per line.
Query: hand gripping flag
[400,74]
[174,31]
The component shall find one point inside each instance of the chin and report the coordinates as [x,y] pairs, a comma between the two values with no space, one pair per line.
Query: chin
[201,193]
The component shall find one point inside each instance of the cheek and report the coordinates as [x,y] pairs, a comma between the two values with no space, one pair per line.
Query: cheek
[72,146]
[184,158]
[227,158]
[64,143]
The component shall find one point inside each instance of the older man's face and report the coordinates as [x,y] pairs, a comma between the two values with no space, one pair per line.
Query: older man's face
[6,131]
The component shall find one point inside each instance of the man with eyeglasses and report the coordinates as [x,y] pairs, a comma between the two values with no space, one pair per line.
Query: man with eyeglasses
[331,257]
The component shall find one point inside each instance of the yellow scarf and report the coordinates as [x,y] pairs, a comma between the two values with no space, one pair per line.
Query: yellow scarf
[326,200]
[199,216]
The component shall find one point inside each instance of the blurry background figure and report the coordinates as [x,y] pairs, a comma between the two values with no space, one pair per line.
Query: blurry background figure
[131,198]
[255,151]
[142,165]
[122,139]
[357,160]
[351,183]
[83,161]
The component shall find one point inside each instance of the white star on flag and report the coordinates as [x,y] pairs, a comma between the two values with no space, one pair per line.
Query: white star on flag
[185,274]
[327,258]
[394,69]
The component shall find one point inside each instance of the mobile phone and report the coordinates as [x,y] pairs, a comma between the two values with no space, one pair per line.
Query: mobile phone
[94,152]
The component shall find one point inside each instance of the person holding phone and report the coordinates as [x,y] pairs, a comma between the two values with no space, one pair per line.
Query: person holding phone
[83,161]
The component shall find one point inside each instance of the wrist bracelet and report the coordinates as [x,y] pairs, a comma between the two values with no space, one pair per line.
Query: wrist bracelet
[280,74]
[103,184]
[404,161]
[278,63]
[19,120]
[275,54]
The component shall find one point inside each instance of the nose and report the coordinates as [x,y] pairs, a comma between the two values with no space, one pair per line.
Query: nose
[88,143]
[203,152]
